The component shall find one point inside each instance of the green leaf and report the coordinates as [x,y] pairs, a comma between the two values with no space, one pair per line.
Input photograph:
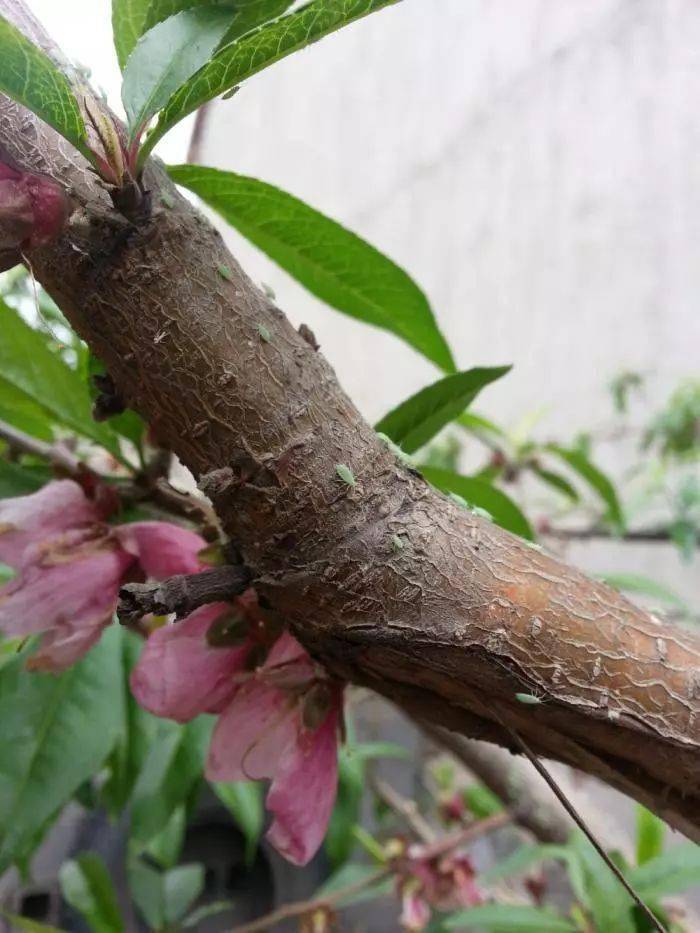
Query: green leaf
[522,860]
[57,732]
[636,583]
[136,732]
[330,261]
[23,413]
[556,481]
[595,478]
[181,887]
[237,61]
[31,368]
[671,873]
[132,18]
[608,901]
[650,835]
[166,56]
[171,771]
[21,481]
[507,918]
[128,24]
[484,496]
[165,847]
[164,897]
[244,801]
[418,419]
[481,801]
[27,925]
[87,886]
[28,76]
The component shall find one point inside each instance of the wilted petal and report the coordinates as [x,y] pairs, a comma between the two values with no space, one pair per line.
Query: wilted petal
[162,549]
[253,733]
[56,508]
[288,665]
[64,645]
[415,913]
[303,791]
[179,675]
[74,581]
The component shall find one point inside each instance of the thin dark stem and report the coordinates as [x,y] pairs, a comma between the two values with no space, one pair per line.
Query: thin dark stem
[405,808]
[468,834]
[580,822]
[463,836]
[182,593]
[298,908]
[598,532]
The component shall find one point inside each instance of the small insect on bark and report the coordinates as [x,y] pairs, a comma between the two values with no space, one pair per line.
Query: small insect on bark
[264,333]
[529,699]
[345,473]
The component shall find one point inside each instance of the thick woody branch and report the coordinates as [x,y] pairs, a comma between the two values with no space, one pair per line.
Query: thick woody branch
[451,626]
[182,593]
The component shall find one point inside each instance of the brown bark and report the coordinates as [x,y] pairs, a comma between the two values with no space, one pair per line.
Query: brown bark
[453,625]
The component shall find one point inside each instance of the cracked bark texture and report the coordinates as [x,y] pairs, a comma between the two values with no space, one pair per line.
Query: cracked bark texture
[452,625]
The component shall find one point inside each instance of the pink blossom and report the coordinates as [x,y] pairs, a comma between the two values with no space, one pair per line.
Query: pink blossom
[283,724]
[70,565]
[179,675]
[444,882]
[279,722]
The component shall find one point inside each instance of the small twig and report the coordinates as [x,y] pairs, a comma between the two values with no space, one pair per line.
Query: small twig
[600,532]
[580,822]
[194,151]
[298,908]
[509,778]
[54,454]
[159,491]
[468,834]
[182,593]
[405,808]
[464,835]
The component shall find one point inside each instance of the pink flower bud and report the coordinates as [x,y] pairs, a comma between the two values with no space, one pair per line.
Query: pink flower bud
[33,209]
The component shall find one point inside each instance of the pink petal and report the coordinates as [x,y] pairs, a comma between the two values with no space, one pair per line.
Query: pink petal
[74,580]
[54,509]
[179,675]
[65,644]
[415,913]
[303,791]
[253,733]
[288,666]
[162,549]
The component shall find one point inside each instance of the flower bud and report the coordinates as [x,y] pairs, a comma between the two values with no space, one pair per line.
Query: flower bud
[33,209]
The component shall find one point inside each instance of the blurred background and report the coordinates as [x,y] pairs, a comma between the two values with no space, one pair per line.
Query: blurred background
[534,166]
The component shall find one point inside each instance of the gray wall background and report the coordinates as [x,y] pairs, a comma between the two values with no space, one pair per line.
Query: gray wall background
[534,165]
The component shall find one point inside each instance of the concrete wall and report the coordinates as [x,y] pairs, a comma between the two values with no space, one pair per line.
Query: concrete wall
[533,164]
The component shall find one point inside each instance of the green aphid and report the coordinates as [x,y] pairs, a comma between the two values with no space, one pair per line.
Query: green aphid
[529,699]
[460,500]
[264,333]
[397,543]
[482,513]
[346,474]
[167,199]
[225,272]
[395,449]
